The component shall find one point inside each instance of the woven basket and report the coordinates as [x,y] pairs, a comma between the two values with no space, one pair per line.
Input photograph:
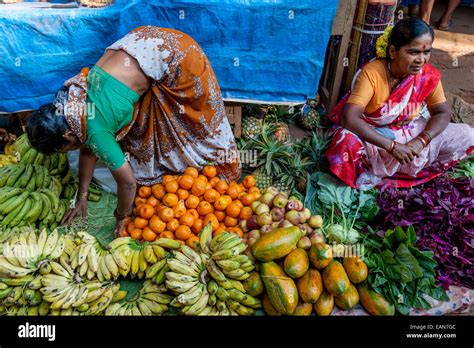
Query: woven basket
[95,3]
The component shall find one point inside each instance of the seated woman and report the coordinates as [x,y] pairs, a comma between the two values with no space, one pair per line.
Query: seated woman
[153,92]
[393,127]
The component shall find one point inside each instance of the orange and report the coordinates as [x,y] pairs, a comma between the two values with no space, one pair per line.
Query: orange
[197,226]
[233,191]
[194,213]
[192,202]
[186,182]
[147,211]
[221,186]
[211,195]
[136,211]
[160,207]
[236,230]
[124,232]
[170,200]
[167,234]
[199,187]
[247,199]
[183,232]
[152,201]
[148,234]
[167,214]
[256,195]
[209,171]
[239,203]
[208,186]
[253,189]
[156,224]
[144,191]
[167,178]
[249,181]
[230,221]
[139,201]
[136,234]
[220,215]
[187,220]
[214,181]
[172,225]
[233,209]
[192,242]
[212,219]
[172,186]
[158,190]
[191,172]
[222,225]
[182,194]
[205,208]
[179,209]
[130,227]
[140,222]
[203,178]
[222,203]
[245,213]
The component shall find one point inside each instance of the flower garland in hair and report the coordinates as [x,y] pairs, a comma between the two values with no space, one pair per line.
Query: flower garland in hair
[382,42]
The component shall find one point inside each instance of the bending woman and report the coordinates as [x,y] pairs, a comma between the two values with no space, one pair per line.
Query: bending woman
[150,105]
[393,127]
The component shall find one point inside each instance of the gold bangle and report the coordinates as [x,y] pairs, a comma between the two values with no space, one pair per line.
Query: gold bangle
[83,196]
[425,143]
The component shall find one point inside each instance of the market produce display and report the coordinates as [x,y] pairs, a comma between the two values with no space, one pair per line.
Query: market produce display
[181,205]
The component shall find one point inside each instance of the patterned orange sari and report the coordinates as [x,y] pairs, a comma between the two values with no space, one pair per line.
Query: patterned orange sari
[180,121]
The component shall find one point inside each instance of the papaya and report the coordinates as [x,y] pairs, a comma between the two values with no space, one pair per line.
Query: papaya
[320,255]
[296,263]
[325,304]
[335,278]
[253,285]
[348,299]
[356,269]
[280,288]
[268,307]
[310,286]
[373,302]
[276,244]
[303,309]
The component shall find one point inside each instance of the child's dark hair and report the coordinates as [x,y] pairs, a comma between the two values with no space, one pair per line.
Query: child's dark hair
[406,30]
[45,129]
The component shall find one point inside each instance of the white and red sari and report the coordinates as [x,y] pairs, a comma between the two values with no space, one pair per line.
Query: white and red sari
[401,118]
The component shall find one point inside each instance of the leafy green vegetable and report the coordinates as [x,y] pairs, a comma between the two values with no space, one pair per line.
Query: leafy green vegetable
[325,191]
[399,271]
[464,168]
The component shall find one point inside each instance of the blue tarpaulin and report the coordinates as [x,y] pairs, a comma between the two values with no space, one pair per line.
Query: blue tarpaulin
[269,50]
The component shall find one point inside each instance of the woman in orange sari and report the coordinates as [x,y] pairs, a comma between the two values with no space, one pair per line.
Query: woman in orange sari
[150,105]
[393,127]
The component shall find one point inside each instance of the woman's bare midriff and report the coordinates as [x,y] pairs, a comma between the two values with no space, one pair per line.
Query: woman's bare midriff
[126,69]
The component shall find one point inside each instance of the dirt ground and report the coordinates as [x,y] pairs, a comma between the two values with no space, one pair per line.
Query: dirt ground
[453,52]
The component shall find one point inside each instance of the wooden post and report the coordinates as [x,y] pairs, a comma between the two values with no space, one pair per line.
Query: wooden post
[234,115]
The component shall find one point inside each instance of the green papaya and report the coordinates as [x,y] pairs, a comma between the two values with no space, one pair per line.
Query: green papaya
[373,302]
[348,299]
[356,269]
[268,307]
[276,244]
[310,286]
[280,288]
[253,285]
[296,263]
[303,310]
[325,304]
[320,255]
[335,278]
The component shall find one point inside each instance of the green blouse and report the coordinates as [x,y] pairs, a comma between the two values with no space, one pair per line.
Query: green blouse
[110,105]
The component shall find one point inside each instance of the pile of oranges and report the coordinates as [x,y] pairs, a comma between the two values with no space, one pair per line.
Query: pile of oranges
[181,205]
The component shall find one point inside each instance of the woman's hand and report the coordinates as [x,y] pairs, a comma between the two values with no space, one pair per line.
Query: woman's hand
[403,153]
[119,226]
[79,207]
[416,145]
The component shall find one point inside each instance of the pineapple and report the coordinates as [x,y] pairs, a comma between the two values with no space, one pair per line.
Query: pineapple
[309,118]
[294,177]
[281,119]
[314,149]
[262,180]
[251,127]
